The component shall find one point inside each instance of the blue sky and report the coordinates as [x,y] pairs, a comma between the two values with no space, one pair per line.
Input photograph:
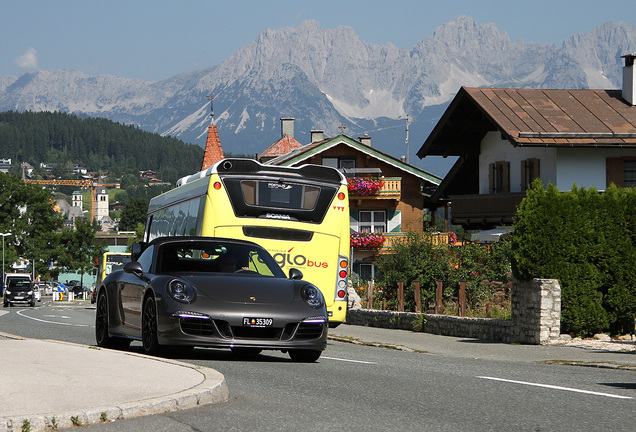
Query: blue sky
[154,40]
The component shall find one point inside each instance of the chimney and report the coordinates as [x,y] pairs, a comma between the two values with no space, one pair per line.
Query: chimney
[366,140]
[287,126]
[629,89]
[316,136]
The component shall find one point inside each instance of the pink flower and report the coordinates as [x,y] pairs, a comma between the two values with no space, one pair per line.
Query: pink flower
[364,185]
[366,240]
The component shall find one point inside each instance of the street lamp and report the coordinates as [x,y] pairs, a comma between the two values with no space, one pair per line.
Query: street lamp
[3,236]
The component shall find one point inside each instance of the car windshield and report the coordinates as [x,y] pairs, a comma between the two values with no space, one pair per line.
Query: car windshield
[216,257]
[19,283]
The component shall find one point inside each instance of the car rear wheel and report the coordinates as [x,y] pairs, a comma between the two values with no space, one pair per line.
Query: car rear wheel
[304,356]
[102,337]
[149,327]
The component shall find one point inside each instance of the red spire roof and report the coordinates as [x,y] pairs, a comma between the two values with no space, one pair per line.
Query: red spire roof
[213,149]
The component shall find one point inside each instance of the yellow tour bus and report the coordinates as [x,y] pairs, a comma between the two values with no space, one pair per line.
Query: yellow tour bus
[299,214]
[110,262]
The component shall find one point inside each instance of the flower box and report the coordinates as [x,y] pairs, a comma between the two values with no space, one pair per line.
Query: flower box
[366,240]
[363,186]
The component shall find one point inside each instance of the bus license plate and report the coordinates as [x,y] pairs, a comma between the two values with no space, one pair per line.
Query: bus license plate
[258,322]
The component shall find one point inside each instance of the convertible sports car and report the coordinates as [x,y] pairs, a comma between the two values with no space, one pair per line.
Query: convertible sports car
[210,292]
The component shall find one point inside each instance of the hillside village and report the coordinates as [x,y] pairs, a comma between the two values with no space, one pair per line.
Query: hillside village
[76,205]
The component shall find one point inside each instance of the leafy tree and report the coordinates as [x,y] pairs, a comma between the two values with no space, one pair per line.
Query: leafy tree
[81,247]
[27,212]
[134,213]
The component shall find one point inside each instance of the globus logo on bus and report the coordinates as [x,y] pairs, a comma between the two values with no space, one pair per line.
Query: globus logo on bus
[287,258]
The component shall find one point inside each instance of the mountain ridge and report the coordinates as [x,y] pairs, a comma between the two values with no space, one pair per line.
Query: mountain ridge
[326,78]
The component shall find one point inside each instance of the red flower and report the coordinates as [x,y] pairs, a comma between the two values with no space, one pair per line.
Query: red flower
[366,240]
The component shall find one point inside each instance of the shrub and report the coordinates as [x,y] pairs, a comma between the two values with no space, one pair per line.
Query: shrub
[585,240]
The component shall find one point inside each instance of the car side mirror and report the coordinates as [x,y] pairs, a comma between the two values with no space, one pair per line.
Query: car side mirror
[137,249]
[295,274]
[134,267]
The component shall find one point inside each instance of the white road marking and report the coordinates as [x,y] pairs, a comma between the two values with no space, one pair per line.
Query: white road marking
[52,322]
[57,316]
[3,312]
[557,387]
[347,360]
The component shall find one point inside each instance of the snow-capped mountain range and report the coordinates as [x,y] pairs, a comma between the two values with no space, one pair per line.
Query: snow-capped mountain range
[330,78]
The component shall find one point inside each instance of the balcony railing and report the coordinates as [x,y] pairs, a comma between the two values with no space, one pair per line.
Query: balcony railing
[485,209]
[391,239]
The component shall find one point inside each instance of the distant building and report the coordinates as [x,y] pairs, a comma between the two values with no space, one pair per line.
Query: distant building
[5,165]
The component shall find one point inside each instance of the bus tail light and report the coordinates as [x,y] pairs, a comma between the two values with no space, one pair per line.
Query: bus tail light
[341,280]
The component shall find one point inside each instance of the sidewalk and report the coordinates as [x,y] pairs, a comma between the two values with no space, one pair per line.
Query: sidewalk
[613,354]
[93,385]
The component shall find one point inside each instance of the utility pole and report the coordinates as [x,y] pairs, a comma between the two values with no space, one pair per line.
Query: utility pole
[408,120]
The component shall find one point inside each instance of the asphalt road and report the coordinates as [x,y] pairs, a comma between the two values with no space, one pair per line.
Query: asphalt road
[356,387]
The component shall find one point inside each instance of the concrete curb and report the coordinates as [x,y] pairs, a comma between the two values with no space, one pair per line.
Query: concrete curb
[211,390]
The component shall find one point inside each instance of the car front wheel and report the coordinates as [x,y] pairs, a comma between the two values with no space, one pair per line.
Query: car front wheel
[102,337]
[304,356]
[149,327]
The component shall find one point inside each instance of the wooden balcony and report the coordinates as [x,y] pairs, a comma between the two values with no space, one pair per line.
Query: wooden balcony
[485,209]
[392,189]
[391,239]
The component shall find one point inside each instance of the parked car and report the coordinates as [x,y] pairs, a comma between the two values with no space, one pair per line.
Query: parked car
[77,290]
[18,289]
[211,292]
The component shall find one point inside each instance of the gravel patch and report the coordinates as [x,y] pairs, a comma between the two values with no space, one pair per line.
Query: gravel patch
[595,344]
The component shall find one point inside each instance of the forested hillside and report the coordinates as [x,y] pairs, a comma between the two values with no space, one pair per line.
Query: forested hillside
[94,143]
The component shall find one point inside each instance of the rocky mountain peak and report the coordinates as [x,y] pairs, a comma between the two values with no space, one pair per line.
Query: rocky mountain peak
[328,77]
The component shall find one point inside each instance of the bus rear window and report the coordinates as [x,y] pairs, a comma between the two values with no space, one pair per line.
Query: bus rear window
[279,198]
[279,195]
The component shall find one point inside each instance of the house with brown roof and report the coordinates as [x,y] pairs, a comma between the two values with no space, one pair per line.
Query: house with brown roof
[505,138]
[397,207]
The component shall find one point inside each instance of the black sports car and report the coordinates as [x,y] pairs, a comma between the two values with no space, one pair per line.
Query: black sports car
[210,292]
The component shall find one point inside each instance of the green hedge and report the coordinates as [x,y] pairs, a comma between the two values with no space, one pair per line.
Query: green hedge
[585,239]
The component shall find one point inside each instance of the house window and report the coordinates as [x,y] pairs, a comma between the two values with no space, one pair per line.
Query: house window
[529,172]
[629,173]
[499,177]
[367,272]
[340,163]
[372,221]
[621,171]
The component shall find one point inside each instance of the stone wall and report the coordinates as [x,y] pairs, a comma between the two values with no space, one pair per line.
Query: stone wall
[536,317]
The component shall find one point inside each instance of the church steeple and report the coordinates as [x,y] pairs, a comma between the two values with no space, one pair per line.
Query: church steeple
[213,150]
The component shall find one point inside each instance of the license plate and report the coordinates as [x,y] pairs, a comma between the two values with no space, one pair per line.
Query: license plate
[258,322]
[18,298]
